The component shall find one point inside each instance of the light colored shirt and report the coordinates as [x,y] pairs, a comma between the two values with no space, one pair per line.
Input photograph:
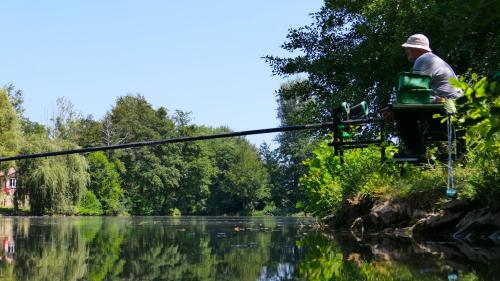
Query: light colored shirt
[440,72]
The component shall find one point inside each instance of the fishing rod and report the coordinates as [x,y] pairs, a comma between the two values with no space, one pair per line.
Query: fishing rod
[325,125]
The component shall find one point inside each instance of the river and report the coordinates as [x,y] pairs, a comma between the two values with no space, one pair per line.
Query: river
[224,248]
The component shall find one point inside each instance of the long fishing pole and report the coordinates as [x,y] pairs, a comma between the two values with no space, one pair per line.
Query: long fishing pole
[195,138]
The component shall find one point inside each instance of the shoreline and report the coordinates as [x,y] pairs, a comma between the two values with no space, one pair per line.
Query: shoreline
[455,220]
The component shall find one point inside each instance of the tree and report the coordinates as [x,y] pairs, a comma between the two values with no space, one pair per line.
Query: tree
[285,163]
[10,132]
[10,129]
[105,183]
[134,119]
[16,98]
[151,180]
[89,205]
[294,147]
[88,132]
[197,167]
[53,185]
[65,121]
[240,185]
[276,174]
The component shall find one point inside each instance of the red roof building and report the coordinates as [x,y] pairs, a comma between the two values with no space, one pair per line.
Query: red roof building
[8,183]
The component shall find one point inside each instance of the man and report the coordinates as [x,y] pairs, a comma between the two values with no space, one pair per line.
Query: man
[418,51]
[425,62]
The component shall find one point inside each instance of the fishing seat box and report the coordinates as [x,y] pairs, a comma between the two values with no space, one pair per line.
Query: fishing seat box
[414,89]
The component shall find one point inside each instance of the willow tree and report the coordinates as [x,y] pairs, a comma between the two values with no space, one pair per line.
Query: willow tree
[53,185]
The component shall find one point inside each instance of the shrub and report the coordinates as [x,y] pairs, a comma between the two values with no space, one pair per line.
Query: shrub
[174,212]
[328,183]
[480,113]
[89,205]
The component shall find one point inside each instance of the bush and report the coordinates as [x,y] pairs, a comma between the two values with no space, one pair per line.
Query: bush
[328,183]
[480,113]
[174,212]
[89,205]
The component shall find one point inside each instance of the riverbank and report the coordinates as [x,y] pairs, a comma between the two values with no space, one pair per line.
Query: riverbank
[13,212]
[417,217]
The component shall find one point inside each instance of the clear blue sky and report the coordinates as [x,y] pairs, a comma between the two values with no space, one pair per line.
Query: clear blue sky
[198,56]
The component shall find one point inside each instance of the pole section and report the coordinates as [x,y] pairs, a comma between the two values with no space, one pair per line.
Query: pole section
[325,125]
[168,141]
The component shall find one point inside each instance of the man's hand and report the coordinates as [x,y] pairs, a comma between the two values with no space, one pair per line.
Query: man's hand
[438,100]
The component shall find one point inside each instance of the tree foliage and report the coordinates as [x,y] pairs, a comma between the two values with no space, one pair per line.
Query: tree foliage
[152,178]
[198,167]
[480,111]
[10,133]
[285,163]
[52,185]
[105,183]
[193,178]
[213,177]
[89,205]
[65,121]
[240,185]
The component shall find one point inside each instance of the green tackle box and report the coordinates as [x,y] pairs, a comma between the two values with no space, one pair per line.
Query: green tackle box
[414,96]
[408,80]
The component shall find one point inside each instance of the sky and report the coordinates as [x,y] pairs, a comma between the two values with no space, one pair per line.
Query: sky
[204,57]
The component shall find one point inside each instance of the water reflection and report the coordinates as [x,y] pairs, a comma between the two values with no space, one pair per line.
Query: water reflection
[208,248]
[8,251]
[148,248]
[342,257]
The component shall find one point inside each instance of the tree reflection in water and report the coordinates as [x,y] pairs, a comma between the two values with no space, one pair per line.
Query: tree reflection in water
[188,248]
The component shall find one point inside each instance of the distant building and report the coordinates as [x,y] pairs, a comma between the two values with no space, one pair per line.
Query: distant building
[8,184]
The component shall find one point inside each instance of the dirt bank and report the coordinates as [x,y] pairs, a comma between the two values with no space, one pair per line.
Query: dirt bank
[457,219]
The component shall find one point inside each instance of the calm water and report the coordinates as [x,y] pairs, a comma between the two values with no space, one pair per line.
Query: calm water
[222,248]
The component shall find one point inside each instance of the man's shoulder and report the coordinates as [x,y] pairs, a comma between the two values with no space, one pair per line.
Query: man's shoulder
[427,57]
[428,62]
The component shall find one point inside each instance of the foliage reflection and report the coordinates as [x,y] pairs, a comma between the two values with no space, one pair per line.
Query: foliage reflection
[220,248]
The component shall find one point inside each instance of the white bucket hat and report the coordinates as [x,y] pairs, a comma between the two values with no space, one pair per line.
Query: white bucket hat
[418,41]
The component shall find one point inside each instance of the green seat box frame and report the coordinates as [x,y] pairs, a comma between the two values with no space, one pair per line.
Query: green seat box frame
[414,88]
